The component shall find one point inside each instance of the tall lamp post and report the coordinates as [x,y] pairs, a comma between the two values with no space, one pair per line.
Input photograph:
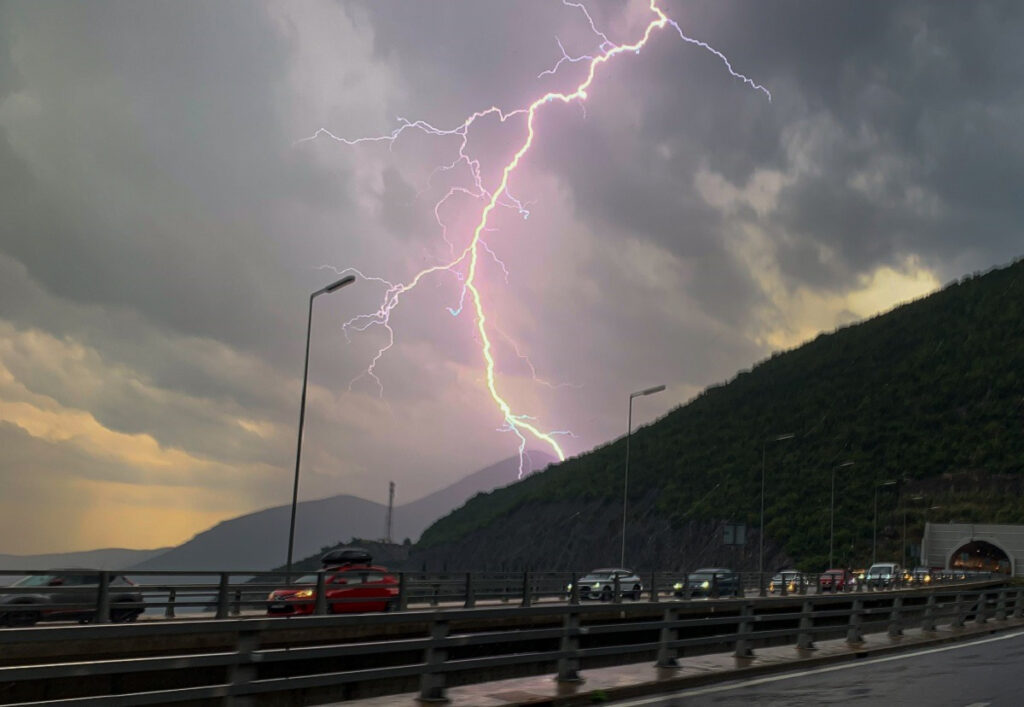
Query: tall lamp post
[333,287]
[764,452]
[625,476]
[832,511]
[874,524]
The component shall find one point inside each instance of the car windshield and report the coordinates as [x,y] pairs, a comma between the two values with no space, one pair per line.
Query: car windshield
[700,576]
[306,579]
[599,575]
[38,580]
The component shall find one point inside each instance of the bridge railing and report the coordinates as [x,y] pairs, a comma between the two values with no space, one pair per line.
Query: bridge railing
[563,640]
[103,596]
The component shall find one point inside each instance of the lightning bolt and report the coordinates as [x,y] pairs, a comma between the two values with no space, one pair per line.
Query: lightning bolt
[463,265]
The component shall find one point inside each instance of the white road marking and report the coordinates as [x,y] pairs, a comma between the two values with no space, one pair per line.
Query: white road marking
[817,671]
[978,704]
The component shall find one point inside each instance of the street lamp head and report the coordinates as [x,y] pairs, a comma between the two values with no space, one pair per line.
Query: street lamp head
[887,483]
[845,464]
[347,280]
[647,391]
[788,435]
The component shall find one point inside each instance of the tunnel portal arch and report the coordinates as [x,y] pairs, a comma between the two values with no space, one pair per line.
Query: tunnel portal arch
[981,555]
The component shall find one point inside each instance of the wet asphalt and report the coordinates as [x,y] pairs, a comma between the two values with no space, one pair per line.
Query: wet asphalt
[984,673]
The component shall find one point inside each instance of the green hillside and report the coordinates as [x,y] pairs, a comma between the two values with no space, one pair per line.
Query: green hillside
[930,395]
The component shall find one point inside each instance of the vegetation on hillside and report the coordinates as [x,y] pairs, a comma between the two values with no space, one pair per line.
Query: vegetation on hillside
[930,395]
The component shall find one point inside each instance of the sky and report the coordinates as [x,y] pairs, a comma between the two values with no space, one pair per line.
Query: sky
[175,182]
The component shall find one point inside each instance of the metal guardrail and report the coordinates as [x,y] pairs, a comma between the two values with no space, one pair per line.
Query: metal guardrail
[561,642]
[169,595]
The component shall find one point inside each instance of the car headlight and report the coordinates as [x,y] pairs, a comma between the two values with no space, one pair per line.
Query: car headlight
[303,594]
[597,585]
[568,587]
[677,586]
[927,578]
[705,584]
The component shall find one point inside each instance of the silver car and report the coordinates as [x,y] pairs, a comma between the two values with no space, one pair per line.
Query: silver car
[600,584]
[64,595]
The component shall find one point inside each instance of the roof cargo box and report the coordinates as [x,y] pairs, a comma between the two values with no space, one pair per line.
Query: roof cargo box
[346,556]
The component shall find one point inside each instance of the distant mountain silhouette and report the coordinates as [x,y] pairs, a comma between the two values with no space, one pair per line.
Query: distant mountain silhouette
[259,541]
[106,559]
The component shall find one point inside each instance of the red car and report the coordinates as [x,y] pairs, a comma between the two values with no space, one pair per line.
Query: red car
[834,579]
[349,588]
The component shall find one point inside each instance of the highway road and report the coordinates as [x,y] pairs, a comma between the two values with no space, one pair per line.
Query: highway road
[981,673]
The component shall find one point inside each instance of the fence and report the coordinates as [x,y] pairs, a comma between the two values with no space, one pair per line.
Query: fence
[434,648]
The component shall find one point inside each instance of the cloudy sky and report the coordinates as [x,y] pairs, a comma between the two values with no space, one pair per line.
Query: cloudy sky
[164,222]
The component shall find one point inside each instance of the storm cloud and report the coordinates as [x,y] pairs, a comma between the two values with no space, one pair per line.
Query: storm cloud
[164,221]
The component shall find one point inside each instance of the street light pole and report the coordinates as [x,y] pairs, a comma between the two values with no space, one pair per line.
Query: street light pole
[832,511]
[764,452]
[333,287]
[625,476]
[874,524]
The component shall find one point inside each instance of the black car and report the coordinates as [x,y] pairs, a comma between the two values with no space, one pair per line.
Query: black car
[709,581]
[67,595]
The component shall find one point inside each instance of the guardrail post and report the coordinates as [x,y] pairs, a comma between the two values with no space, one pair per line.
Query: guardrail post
[222,597]
[960,615]
[801,586]
[103,600]
[928,621]
[432,680]
[242,671]
[744,628]
[1001,606]
[172,596]
[981,610]
[527,599]
[784,591]
[470,596]
[569,663]
[616,589]
[1018,603]
[762,586]
[853,634]
[654,586]
[574,590]
[403,591]
[667,655]
[236,605]
[435,593]
[320,606]
[896,618]
[805,639]
[713,591]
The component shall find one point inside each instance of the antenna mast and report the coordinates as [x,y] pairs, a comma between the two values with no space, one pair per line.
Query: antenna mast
[391,508]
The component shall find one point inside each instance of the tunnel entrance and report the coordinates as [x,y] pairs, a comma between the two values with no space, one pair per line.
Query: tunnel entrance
[980,556]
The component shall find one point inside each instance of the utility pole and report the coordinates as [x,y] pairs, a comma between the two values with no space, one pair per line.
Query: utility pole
[391,508]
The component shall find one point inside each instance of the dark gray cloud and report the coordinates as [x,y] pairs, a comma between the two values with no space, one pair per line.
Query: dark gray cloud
[163,225]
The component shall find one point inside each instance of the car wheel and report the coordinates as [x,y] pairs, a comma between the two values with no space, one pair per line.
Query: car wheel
[123,616]
[635,595]
[606,594]
[22,618]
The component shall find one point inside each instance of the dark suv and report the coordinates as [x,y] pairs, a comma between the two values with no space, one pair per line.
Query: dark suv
[67,595]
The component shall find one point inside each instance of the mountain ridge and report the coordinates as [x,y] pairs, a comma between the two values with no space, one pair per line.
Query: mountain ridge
[933,388]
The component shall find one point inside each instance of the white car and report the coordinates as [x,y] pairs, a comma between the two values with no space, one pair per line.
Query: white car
[882,574]
[600,584]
